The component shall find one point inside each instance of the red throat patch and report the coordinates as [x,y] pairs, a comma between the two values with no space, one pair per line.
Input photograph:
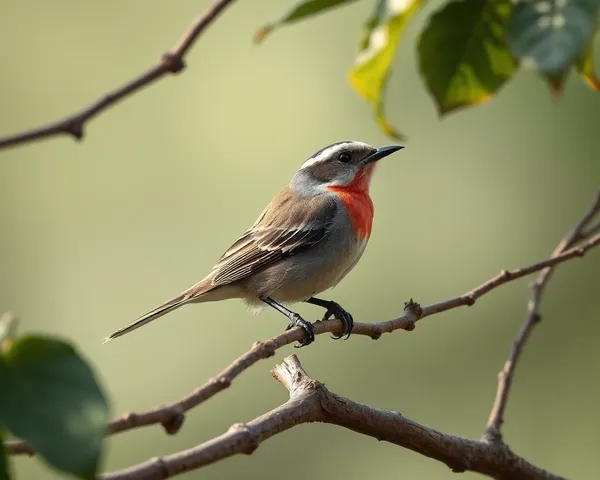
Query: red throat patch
[355,196]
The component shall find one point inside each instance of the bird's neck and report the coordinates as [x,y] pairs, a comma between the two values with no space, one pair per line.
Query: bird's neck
[356,199]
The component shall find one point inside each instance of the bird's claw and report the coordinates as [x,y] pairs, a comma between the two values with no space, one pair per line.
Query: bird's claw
[339,313]
[309,329]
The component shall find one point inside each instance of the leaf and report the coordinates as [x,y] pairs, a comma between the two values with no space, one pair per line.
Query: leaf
[51,399]
[4,470]
[585,66]
[303,9]
[371,70]
[464,58]
[547,35]
[8,330]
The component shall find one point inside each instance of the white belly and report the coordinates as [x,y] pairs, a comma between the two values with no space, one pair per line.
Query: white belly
[322,277]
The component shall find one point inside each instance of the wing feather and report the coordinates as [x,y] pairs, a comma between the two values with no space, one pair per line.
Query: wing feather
[291,227]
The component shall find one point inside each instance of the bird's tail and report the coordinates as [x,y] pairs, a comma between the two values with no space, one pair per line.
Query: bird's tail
[190,295]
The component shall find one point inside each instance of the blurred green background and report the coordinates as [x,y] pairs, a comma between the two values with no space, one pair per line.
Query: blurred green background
[94,234]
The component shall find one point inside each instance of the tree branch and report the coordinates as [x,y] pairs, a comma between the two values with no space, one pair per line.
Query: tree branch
[310,401]
[493,430]
[171,416]
[170,62]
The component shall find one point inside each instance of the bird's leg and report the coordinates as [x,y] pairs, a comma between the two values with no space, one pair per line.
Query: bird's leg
[338,312]
[295,320]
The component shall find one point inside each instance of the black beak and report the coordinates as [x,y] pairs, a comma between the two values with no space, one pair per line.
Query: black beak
[381,152]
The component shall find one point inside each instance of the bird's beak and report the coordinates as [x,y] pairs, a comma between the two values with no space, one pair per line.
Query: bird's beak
[381,152]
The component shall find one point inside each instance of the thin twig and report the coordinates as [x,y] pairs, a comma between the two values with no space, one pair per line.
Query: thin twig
[171,416]
[170,62]
[593,230]
[310,401]
[493,430]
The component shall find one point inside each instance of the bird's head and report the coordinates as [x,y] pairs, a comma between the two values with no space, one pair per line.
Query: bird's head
[347,164]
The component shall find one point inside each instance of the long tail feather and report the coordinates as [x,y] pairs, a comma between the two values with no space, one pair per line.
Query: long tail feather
[173,304]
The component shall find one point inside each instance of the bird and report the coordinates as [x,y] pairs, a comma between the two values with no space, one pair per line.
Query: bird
[304,242]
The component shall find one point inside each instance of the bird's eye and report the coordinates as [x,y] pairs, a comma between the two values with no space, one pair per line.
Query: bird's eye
[344,157]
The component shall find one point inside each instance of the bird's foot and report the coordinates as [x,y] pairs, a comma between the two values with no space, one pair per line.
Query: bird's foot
[339,313]
[297,321]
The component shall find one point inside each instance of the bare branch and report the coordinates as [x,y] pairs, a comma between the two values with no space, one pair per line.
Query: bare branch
[310,401]
[170,62]
[493,429]
[171,416]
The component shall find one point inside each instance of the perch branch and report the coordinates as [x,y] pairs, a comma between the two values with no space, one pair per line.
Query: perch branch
[493,431]
[310,401]
[171,416]
[170,62]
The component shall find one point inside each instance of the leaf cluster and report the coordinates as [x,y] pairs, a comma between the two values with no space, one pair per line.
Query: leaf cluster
[469,48]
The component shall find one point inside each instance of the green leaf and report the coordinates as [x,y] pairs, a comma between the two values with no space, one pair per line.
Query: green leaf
[51,399]
[371,71]
[547,35]
[4,469]
[463,55]
[303,9]
[585,66]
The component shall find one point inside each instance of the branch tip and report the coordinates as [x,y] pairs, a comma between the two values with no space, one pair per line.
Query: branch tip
[169,62]
[566,249]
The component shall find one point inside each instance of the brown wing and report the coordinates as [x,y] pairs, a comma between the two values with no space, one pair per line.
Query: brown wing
[292,227]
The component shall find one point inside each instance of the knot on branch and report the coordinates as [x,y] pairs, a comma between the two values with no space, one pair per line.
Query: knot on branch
[505,275]
[376,333]
[222,382]
[171,62]
[173,423]
[264,349]
[492,435]
[469,300]
[535,318]
[126,421]
[251,436]
[413,313]
[74,127]
[159,465]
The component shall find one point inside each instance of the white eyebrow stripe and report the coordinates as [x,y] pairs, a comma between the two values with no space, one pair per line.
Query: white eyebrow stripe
[329,151]
[326,153]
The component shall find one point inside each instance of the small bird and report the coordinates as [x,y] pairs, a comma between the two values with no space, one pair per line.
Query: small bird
[307,239]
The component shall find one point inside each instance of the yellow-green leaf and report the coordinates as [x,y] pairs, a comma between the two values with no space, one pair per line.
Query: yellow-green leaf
[8,330]
[371,71]
[464,58]
[301,10]
[585,67]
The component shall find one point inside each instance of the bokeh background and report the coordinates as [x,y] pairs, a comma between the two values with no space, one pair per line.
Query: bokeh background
[94,234]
